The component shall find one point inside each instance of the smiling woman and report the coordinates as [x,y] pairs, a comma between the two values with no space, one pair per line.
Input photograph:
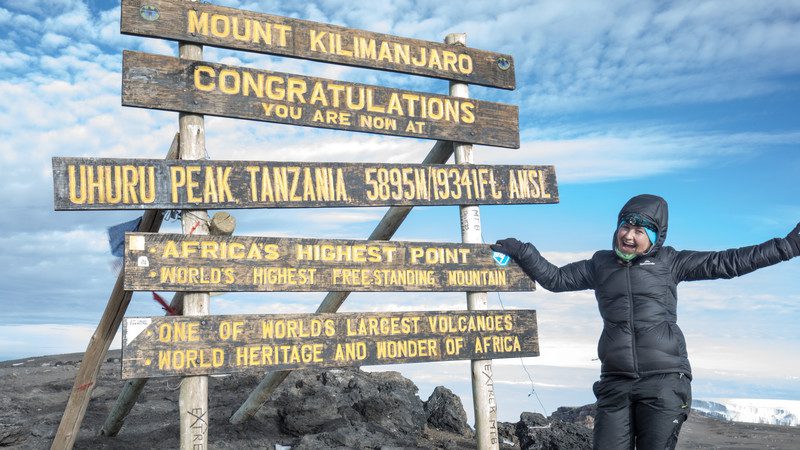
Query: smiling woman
[644,393]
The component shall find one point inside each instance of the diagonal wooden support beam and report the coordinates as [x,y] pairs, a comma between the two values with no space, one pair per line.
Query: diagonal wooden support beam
[384,231]
[222,224]
[131,389]
[101,339]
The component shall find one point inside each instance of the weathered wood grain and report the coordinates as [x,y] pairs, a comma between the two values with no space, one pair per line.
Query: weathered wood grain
[247,263]
[219,26]
[168,346]
[193,394]
[100,183]
[163,82]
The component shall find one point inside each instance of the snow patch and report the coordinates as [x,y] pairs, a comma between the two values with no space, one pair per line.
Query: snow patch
[765,411]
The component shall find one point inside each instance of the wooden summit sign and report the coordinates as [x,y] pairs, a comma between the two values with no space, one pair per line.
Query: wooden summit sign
[163,82]
[175,262]
[169,346]
[219,26]
[97,183]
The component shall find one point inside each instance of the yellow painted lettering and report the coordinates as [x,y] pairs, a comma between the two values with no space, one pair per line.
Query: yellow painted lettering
[197,24]
[283,30]
[199,82]
[220,26]
[296,89]
[315,41]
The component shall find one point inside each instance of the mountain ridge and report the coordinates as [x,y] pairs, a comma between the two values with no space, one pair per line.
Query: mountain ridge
[340,408]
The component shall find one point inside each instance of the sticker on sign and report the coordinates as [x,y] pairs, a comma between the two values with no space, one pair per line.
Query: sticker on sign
[501,258]
[134,327]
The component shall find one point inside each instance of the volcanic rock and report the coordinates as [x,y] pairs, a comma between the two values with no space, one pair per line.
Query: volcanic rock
[507,433]
[581,415]
[350,408]
[535,432]
[342,408]
[446,412]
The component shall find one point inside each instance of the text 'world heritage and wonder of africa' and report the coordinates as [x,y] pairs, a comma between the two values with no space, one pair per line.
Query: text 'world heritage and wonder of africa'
[222,344]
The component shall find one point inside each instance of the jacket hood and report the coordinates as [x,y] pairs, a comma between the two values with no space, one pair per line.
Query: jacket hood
[652,208]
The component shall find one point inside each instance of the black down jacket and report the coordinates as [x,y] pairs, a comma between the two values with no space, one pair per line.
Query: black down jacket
[638,299]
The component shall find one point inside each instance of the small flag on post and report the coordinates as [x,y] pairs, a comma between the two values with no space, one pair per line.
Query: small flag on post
[116,236]
[164,305]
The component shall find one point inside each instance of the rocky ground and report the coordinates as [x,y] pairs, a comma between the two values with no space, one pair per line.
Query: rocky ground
[311,410]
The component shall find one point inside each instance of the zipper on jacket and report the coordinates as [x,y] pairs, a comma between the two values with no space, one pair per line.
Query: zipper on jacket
[633,328]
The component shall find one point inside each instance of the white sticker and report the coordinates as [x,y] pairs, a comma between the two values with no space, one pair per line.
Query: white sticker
[134,327]
[143,262]
[137,243]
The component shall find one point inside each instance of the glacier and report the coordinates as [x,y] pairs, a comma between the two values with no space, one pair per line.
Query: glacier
[764,411]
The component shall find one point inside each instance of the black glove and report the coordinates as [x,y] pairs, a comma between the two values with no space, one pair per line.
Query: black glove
[509,246]
[794,239]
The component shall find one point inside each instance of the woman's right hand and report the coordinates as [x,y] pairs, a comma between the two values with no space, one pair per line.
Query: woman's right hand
[794,239]
[509,246]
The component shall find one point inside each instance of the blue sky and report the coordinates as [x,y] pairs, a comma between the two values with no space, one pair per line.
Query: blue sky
[695,101]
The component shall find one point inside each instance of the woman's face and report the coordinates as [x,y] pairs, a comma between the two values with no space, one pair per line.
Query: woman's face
[632,239]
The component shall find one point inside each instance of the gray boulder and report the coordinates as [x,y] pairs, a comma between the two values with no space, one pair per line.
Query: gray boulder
[445,412]
[581,415]
[350,408]
[535,432]
[507,433]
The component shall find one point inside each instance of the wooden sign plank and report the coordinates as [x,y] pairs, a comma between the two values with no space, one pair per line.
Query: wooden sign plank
[175,262]
[174,345]
[100,183]
[219,26]
[163,82]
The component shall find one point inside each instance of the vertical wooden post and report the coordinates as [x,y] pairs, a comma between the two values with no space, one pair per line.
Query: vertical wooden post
[483,397]
[193,400]
[96,351]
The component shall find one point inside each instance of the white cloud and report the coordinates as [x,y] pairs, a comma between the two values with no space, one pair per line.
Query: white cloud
[14,60]
[53,40]
[339,220]
[18,341]
[585,155]
[686,52]
[742,358]
[562,258]
[56,242]
[5,16]
[277,143]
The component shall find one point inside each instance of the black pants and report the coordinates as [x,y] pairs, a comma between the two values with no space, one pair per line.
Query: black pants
[644,413]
